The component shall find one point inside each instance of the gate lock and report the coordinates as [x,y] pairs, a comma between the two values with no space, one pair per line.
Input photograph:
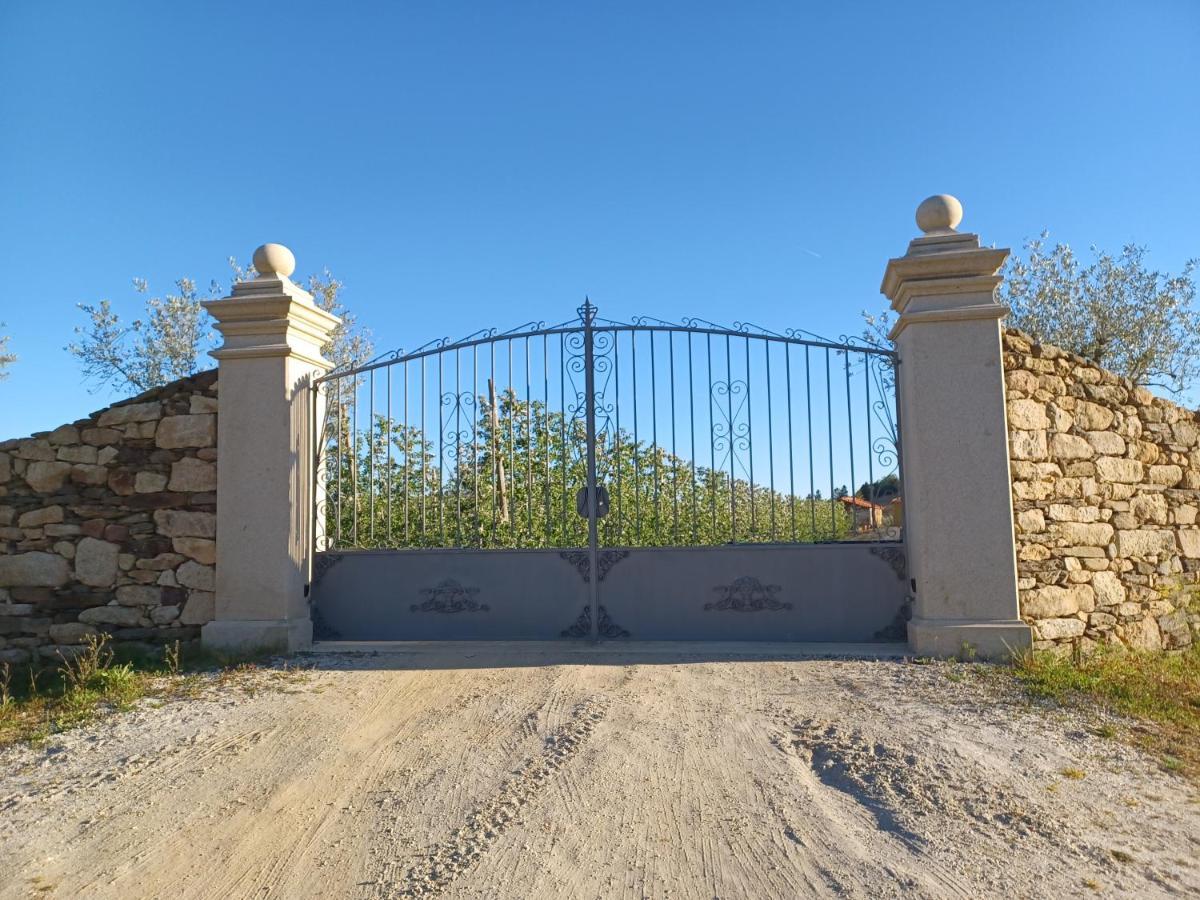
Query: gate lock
[581,502]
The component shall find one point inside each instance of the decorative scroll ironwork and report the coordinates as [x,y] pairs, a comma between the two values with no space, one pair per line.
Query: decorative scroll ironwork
[894,557]
[702,434]
[747,594]
[606,627]
[582,561]
[322,563]
[449,597]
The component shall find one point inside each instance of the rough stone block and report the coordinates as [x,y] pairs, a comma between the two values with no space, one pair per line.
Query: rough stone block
[37,517]
[72,633]
[1028,445]
[47,477]
[1031,521]
[96,562]
[1053,600]
[1108,589]
[198,404]
[133,412]
[82,453]
[200,608]
[1097,534]
[1149,508]
[193,575]
[193,475]
[1027,415]
[1057,629]
[1107,442]
[176,432]
[125,616]
[64,434]
[1113,468]
[84,474]
[1142,634]
[149,482]
[98,437]
[1144,542]
[36,569]
[1069,446]
[1165,475]
[183,523]
[138,595]
[201,550]
[1189,542]
[1093,416]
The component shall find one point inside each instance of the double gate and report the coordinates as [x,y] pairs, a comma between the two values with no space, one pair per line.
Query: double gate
[601,479]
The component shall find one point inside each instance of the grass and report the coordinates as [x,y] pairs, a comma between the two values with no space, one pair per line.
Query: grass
[100,680]
[1157,693]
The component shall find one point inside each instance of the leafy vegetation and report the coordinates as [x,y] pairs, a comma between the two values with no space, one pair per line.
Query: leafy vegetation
[170,342]
[1159,692]
[6,358]
[509,476]
[1133,321]
[36,703]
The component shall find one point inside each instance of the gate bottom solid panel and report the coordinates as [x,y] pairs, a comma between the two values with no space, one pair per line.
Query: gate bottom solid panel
[423,595]
[814,592]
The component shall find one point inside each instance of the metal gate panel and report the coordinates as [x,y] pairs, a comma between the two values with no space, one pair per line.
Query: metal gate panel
[820,592]
[472,489]
[430,595]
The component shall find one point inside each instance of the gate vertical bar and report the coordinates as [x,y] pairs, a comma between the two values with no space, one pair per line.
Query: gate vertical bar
[588,313]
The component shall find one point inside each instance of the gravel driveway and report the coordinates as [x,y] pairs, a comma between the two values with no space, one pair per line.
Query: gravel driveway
[689,771]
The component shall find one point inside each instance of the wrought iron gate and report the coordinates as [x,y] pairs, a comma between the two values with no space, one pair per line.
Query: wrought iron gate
[490,487]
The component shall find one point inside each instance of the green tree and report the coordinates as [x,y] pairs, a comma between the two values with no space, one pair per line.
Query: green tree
[1134,321]
[172,338]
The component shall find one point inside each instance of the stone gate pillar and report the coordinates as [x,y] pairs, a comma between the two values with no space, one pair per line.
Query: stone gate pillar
[958,516]
[265,455]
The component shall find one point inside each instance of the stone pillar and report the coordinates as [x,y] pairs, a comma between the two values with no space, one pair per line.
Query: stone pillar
[265,450]
[958,516]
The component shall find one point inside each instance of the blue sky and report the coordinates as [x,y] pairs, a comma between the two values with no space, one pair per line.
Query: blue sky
[465,165]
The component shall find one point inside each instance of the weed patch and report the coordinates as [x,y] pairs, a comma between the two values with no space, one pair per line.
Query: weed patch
[1159,692]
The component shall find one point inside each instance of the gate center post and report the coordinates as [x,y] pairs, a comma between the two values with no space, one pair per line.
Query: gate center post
[588,313]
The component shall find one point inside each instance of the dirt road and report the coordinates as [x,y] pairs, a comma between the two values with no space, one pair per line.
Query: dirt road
[483,773]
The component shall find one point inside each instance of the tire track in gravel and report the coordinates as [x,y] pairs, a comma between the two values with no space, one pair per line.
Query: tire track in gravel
[443,863]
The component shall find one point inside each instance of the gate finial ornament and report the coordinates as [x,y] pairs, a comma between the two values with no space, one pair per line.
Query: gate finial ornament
[587,312]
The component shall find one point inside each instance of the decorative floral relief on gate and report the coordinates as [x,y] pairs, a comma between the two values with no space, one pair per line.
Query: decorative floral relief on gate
[606,627]
[605,560]
[748,594]
[449,597]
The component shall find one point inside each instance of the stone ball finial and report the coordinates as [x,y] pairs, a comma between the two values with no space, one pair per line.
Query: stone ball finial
[939,214]
[274,259]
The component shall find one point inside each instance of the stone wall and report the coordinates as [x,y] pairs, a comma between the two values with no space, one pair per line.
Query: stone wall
[1106,491]
[108,525]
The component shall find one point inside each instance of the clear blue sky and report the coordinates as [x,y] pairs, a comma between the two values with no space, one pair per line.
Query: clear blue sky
[469,164]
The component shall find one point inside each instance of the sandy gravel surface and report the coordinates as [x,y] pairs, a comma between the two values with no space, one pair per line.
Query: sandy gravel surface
[485,773]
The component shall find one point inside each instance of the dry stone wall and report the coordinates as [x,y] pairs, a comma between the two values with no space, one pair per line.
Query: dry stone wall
[108,525]
[1106,494]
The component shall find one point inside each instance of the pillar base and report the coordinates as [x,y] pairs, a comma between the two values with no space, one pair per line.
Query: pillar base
[255,635]
[995,640]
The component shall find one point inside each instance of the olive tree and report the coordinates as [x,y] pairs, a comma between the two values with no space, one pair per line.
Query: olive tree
[172,338]
[6,358]
[1134,321]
